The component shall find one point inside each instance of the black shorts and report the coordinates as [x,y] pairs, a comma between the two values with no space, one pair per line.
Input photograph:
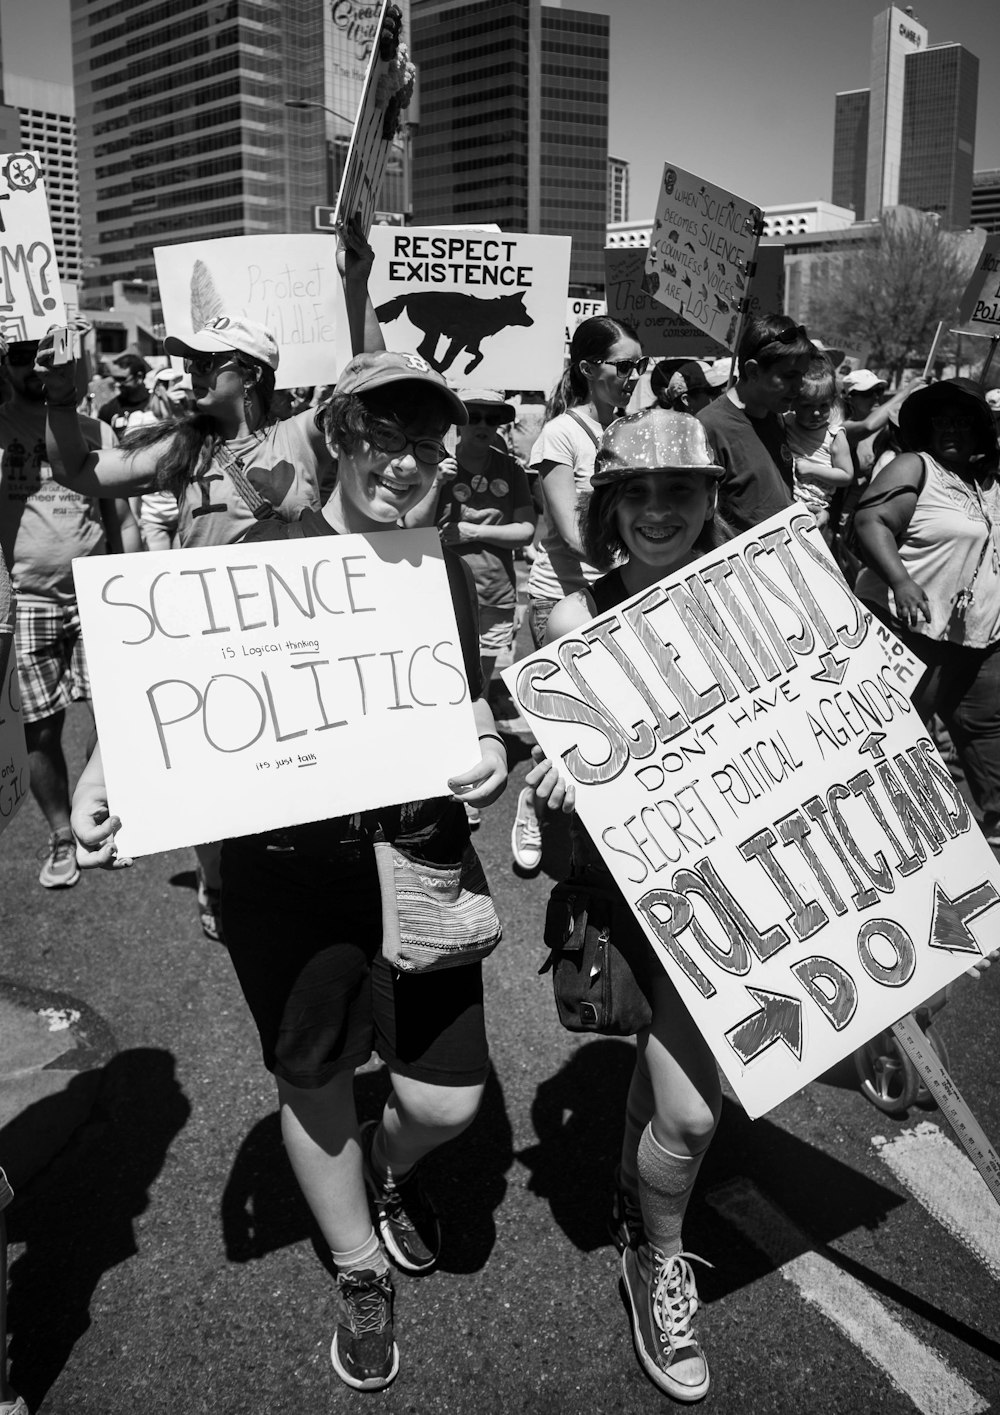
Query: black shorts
[303,926]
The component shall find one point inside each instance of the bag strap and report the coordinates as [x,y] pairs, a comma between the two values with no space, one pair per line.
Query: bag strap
[586,426]
[258,505]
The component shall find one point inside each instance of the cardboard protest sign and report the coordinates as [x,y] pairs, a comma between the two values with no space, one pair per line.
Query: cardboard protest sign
[770,804]
[287,283]
[13,752]
[31,294]
[247,687]
[387,88]
[666,335]
[702,245]
[483,308]
[979,312]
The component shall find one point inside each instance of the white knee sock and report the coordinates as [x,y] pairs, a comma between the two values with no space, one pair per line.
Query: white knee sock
[665,1184]
[368,1255]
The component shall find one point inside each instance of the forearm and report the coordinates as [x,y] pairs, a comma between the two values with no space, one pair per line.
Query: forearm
[67,451]
[822,472]
[513,534]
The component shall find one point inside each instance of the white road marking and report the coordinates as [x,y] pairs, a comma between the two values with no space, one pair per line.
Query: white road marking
[948,1185]
[913,1368]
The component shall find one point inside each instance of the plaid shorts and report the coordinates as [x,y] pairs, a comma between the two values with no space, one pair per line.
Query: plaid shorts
[51,663]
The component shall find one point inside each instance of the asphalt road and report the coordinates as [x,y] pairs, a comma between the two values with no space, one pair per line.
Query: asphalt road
[164,1262]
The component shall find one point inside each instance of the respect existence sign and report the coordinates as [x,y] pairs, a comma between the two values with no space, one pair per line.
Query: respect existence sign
[289,284]
[485,308]
[769,802]
[244,688]
[700,253]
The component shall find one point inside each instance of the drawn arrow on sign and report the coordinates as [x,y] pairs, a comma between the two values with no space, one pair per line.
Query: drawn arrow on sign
[950,917]
[779,1019]
[833,669]
[873,743]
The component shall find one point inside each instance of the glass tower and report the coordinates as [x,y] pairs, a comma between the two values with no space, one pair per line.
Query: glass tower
[939,132]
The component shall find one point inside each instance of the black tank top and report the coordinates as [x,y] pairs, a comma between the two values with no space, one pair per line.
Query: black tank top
[608,591]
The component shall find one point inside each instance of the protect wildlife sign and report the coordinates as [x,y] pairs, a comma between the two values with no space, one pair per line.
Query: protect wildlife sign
[771,805]
[482,307]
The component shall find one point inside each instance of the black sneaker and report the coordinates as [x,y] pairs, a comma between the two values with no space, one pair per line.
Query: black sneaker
[407,1222]
[662,1300]
[363,1351]
[625,1222]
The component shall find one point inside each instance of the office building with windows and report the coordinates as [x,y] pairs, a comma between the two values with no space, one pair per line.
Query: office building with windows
[47,126]
[939,132]
[514,122]
[617,190]
[183,129]
[986,200]
[909,139]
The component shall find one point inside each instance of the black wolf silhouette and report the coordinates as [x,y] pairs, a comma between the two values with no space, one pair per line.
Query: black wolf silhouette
[464,320]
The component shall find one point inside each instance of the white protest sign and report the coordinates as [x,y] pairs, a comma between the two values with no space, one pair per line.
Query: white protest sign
[578,310]
[247,687]
[287,283]
[30,293]
[702,244]
[770,804]
[388,85]
[485,309]
[979,312]
[665,335]
[13,752]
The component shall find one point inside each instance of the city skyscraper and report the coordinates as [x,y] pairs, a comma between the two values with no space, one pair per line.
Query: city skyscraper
[895,35]
[183,129]
[986,200]
[909,139]
[514,121]
[617,190]
[939,132]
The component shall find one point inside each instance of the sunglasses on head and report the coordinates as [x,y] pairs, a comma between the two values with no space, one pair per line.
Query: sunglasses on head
[476,415]
[388,437]
[623,367]
[790,336]
[21,355]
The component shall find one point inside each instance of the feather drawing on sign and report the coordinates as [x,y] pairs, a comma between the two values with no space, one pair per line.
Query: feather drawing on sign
[464,320]
[206,302]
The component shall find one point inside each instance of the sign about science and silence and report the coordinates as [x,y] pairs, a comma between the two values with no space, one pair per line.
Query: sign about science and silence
[248,687]
[13,752]
[979,312]
[702,245]
[663,334]
[482,307]
[769,802]
[30,298]
[287,283]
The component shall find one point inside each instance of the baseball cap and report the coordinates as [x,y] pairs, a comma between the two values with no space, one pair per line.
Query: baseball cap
[487,398]
[655,440]
[366,372]
[689,378]
[993,400]
[717,373]
[862,380]
[228,332]
[661,375]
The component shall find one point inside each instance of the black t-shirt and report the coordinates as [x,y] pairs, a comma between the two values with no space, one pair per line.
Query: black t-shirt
[758,463]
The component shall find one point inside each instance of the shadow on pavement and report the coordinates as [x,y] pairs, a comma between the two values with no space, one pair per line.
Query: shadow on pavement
[263,1209]
[75,1218]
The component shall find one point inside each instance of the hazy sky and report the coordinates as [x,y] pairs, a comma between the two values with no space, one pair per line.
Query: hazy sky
[737,91]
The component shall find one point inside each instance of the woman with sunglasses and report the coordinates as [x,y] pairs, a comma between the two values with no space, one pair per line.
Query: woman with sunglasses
[929,528]
[302,915]
[605,363]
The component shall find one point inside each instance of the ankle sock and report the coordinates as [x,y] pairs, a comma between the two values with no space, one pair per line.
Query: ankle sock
[369,1255]
[665,1184]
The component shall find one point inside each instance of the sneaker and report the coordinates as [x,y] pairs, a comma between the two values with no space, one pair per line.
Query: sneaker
[625,1222]
[526,834]
[363,1351]
[209,910]
[408,1224]
[663,1299]
[474,816]
[60,868]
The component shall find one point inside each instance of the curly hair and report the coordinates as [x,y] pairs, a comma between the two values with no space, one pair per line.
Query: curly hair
[345,419]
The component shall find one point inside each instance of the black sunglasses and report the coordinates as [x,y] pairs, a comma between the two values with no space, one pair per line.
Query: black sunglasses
[488,419]
[623,367]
